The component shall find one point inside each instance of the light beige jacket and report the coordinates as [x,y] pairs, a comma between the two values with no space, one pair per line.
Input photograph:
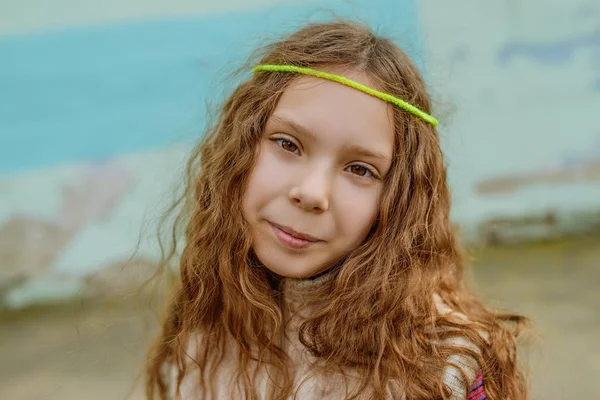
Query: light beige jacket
[307,384]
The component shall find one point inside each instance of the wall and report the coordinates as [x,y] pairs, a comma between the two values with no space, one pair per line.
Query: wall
[100,104]
[523,139]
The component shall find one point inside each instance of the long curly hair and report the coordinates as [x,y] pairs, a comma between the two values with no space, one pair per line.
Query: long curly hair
[379,313]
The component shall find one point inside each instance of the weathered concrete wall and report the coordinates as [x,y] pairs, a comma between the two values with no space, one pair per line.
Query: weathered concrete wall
[100,102]
[523,136]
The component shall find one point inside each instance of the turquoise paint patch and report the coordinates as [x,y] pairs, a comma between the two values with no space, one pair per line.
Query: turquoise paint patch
[94,93]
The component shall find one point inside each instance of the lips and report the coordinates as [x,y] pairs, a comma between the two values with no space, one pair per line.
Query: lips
[297,235]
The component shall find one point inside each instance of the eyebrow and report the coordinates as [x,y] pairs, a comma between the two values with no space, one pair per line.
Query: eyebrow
[303,130]
[299,128]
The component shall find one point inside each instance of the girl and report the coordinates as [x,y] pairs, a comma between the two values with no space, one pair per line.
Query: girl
[319,259]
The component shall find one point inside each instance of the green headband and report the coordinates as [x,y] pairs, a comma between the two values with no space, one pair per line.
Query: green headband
[345,81]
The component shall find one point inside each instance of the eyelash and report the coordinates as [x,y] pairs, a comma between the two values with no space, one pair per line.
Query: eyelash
[370,170]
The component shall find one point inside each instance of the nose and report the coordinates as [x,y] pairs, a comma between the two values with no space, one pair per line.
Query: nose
[312,191]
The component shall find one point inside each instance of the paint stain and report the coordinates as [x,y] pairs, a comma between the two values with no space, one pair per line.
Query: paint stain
[572,168]
[552,53]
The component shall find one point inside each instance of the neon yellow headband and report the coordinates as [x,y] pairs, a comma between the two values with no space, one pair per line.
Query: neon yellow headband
[345,81]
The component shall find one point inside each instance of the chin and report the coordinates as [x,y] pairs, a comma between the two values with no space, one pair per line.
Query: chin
[290,272]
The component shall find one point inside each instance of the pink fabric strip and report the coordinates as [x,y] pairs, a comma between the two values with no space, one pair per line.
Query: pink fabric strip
[477,389]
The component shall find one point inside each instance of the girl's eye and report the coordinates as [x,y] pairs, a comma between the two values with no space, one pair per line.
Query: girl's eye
[287,145]
[361,171]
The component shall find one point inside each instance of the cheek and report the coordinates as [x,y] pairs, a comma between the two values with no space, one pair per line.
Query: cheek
[265,182]
[358,214]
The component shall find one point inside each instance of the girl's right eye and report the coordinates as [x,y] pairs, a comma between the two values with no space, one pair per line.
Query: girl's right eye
[287,145]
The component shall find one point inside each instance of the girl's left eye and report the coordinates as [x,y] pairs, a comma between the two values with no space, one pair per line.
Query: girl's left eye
[361,171]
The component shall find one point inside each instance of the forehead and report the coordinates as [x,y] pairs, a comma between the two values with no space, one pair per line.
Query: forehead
[337,112]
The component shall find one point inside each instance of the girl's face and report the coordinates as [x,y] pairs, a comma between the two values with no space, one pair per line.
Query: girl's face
[314,192]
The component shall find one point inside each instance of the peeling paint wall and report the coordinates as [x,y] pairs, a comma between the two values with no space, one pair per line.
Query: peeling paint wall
[521,84]
[100,104]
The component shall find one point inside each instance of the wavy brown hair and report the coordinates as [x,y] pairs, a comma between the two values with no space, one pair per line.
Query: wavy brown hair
[410,256]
